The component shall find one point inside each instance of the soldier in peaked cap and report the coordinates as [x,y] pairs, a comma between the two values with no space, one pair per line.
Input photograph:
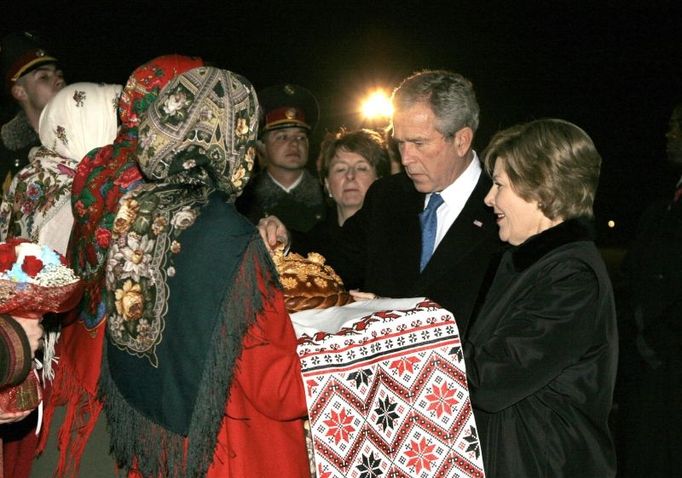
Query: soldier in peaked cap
[285,188]
[31,77]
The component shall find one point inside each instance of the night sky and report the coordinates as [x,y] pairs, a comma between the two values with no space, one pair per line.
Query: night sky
[614,70]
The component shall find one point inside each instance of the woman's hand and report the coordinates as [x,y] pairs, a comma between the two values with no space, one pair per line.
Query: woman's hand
[34,332]
[273,232]
[11,417]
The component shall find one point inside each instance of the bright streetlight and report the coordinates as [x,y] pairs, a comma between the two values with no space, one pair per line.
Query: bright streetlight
[377,106]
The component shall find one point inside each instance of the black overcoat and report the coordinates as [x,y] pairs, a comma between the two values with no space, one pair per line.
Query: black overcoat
[541,360]
[650,410]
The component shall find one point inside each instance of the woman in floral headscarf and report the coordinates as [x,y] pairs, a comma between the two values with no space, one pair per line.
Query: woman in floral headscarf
[81,117]
[201,376]
[37,206]
[101,179]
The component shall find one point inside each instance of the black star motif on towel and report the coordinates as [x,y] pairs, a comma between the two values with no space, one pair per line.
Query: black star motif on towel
[472,440]
[369,468]
[360,377]
[386,412]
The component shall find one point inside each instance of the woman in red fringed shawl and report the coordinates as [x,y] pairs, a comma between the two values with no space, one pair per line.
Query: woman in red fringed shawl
[200,375]
[102,178]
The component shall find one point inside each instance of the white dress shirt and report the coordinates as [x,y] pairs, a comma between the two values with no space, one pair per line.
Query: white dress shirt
[455,197]
[285,188]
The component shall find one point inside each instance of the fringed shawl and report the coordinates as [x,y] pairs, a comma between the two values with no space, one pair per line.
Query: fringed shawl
[101,179]
[181,276]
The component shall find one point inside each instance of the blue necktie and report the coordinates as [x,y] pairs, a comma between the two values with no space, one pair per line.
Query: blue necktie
[429,222]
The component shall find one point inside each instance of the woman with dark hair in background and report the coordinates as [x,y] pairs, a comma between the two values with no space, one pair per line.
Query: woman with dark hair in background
[542,353]
[350,161]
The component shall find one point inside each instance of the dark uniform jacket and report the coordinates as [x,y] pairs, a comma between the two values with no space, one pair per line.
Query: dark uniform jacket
[379,247]
[299,209]
[541,360]
[17,137]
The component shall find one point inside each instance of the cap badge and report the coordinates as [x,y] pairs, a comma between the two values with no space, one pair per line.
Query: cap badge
[290,113]
[40,52]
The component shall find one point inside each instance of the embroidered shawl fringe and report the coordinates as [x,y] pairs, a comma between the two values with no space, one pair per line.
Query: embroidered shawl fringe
[136,440]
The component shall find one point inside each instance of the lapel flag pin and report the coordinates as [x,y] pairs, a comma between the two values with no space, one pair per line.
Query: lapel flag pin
[478,223]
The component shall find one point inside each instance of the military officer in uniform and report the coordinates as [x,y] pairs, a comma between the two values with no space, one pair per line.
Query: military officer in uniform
[285,187]
[31,77]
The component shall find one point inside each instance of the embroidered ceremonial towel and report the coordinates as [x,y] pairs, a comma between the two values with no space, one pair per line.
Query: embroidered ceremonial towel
[387,395]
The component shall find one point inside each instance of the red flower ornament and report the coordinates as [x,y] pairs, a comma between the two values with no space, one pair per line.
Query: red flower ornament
[32,265]
[103,237]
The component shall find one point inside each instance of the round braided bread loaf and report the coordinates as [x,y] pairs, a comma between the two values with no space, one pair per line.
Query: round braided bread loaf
[309,283]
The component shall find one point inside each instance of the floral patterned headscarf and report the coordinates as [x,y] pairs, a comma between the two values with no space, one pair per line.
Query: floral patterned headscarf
[199,132]
[81,117]
[106,174]
[180,275]
[195,139]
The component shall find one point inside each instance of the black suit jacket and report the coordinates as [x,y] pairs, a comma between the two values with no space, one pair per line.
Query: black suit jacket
[379,247]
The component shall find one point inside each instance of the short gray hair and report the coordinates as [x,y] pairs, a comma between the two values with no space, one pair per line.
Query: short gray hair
[450,96]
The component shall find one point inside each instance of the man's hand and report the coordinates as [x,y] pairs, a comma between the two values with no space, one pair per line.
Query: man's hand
[359,296]
[273,232]
[34,332]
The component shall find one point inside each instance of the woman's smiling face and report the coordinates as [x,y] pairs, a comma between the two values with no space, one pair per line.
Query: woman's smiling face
[517,217]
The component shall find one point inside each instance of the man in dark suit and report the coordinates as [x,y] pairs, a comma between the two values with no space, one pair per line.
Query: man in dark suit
[382,248]
[649,415]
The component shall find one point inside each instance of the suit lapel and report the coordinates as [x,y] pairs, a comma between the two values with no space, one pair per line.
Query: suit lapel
[474,224]
[409,233]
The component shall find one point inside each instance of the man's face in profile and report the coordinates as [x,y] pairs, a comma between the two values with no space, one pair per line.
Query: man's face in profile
[41,84]
[431,160]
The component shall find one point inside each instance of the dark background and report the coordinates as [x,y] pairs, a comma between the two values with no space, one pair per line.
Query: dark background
[612,67]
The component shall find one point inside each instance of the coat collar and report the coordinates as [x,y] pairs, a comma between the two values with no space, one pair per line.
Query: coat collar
[537,246]
[18,133]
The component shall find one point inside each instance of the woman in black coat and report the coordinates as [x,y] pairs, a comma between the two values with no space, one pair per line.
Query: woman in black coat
[542,352]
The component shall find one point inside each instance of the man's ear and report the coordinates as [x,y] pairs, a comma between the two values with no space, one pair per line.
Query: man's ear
[261,155]
[19,93]
[463,139]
